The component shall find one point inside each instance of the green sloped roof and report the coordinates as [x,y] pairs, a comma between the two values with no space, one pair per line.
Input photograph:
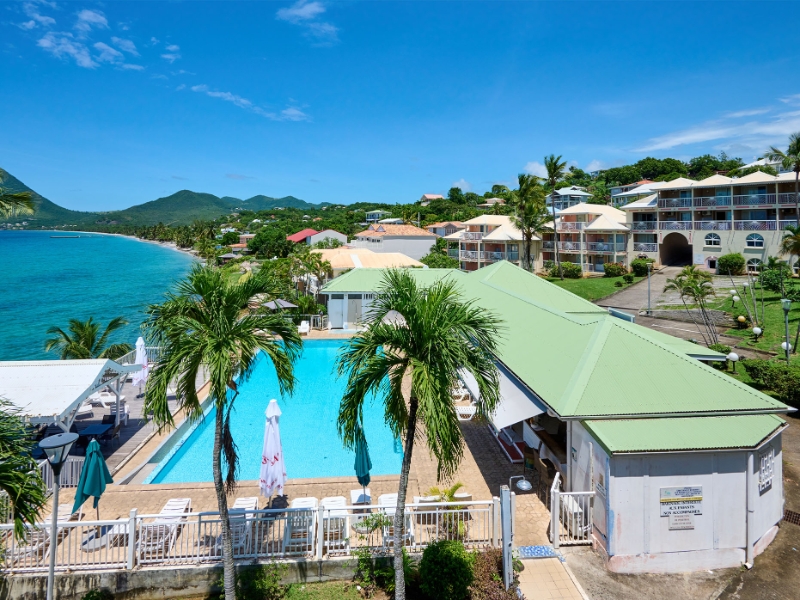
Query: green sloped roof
[687,433]
[369,280]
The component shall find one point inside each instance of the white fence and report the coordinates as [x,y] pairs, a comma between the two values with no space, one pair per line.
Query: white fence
[196,538]
[570,516]
[70,472]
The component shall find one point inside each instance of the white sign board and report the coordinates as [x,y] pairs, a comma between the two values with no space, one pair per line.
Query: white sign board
[681,500]
[677,522]
[699,259]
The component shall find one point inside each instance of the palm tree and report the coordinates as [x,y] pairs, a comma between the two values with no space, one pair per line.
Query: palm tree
[790,244]
[555,172]
[83,340]
[431,335]
[205,324]
[531,216]
[14,203]
[696,285]
[19,473]
[789,160]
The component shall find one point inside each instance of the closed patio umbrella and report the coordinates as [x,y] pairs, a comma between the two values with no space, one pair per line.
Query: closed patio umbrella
[363,464]
[140,377]
[94,478]
[273,470]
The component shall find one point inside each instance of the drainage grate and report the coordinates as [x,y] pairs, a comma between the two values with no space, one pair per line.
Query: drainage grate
[791,517]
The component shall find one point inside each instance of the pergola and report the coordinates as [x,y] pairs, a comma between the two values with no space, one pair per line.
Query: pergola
[52,391]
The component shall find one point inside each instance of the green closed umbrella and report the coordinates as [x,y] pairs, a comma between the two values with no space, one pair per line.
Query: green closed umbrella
[94,477]
[363,462]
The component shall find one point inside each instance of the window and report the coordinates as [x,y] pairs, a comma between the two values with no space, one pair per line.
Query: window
[755,240]
[712,239]
[765,470]
[337,296]
[754,264]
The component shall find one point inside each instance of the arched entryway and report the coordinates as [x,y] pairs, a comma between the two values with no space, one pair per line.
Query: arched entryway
[675,250]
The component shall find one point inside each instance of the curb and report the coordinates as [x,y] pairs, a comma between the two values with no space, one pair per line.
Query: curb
[575,581]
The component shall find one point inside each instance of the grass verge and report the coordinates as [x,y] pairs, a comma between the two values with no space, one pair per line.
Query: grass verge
[592,288]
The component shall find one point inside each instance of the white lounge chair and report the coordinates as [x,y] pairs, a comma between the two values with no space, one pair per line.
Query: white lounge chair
[157,538]
[388,504]
[303,328]
[125,411]
[466,413]
[360,496]
[37,542]
[300,534]
[336,524]
[241,517]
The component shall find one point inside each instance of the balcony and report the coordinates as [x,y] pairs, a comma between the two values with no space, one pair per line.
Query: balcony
[675,225]
[674,203]
[641,247]
[643,225]
[571,246]
[571,225]
[493,256]
[512,256]
[469,255]
[473,235]
[713,225]
[755,225]
[783,223]
[787,198]
[548,244]
[712,201]
[754,199]
[452,252]
[606,247]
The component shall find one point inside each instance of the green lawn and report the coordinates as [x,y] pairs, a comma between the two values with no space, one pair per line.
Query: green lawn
[773,321]
[592,288]
[333,590]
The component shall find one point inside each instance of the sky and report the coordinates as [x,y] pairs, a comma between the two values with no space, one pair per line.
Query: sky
[104,105]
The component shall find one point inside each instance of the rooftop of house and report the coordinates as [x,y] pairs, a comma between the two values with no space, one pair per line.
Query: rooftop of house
[489,220]
[388,230]
[492,202]
[572,190]
[356,258]
[301,235]
[650,201]
[585,208]
[457,224]
[431,197]
[722,180]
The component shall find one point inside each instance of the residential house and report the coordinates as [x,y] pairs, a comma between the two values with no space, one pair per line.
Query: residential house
[426,199]
[491,203]
[695,222]
[631,194]
[487,239]
[616,190]
[392,221]
[373,216]
[444,228]
[406,239]
[244,238]
[312,236]
[567,196]
[343,259]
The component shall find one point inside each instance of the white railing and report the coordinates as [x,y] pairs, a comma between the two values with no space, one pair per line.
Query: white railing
[153,356]
[570,516]
[570,225]
[473,235]
[492,256]
[606,247]
[70,472]
[470,255]
[675,225]
[674,203]
[548,244]
[260,534]
[784,223]
[644,247]
[643,225]
[452,252]
[785,198]
[754,199]
[713,225]
[571,246]
[712,201]
[755,225]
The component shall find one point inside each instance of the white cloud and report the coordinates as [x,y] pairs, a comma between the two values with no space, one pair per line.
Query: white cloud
[180,87]
[595,165]
[171,57]
[746,113]
[32,11]
[63,45]
[87,19]
[153,41]
[129,67]
[173,48]
[28,24]
[125,45]
[535,168]
[300,11]
[290,113]
[462,184]
[325,33]
[107,53]
[293,114]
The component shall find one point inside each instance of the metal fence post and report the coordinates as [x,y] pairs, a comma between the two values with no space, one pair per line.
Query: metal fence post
[495,522]
[131,539]
[321,521]
[508,537]
[555,507]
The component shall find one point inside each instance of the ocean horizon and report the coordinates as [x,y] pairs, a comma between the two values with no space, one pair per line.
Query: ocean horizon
[49,280]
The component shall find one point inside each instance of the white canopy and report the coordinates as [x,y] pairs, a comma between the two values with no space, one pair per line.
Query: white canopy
[517,403]
[51,391]
[272,475]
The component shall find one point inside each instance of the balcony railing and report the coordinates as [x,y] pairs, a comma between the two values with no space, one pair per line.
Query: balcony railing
[512,256]
[754,199]
[493,256]
[571,246]
[641,247]
[675,225]
[643,225]
[713,225]
[571,225]
[787,198]
[755,225]
[469,255]
[452,252]
[473,235]
[548,244]
[606,247]
[784,223]
[674,203]
[713,201]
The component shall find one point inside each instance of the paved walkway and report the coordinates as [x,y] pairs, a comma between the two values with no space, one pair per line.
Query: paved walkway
[548,578]
[634,297]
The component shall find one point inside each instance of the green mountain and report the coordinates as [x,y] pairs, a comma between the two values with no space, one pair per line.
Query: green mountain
[180,208]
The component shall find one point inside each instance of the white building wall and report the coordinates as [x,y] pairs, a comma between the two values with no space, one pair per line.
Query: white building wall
[323,235]
[415,247]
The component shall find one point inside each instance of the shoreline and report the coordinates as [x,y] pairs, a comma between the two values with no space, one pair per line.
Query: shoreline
[170,245]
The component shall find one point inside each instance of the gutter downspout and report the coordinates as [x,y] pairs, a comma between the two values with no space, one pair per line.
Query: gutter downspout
[750,503]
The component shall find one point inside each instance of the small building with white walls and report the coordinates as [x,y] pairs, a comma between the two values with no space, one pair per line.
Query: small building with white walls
[405,239]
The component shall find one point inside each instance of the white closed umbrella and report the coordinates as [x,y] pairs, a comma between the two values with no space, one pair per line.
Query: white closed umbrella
[273,469]
[140,377]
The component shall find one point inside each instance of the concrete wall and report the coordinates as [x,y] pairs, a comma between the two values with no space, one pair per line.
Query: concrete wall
[415,247]
[329,234]
[338,309]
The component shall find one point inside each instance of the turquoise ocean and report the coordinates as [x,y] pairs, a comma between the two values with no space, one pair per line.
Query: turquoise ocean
[46,281]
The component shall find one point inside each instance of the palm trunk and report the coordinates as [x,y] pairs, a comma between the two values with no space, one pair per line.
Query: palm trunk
[399,513]
[696,324]
[555,238]
[229,574]
[797,196]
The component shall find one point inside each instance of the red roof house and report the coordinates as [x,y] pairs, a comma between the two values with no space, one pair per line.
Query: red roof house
[301,236]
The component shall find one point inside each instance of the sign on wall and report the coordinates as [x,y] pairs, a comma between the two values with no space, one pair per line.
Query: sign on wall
[681,500]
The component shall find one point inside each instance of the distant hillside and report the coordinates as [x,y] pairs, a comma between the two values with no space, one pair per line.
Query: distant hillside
[180,208]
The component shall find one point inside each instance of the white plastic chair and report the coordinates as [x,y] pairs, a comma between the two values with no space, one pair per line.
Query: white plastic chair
[301,527]
[388,504]
[303,328]
[336,524]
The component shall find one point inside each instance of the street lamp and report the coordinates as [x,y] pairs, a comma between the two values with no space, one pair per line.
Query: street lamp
[735,300]
[734,358]
[786,304]
[523,484]
[56,448]
[757,331]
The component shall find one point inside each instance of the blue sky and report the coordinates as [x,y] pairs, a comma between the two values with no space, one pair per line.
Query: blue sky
[106,105]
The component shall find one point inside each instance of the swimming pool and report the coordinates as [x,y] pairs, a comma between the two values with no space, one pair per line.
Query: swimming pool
[311,443]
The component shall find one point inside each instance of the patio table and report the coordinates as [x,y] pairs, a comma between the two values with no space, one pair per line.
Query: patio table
[95,430]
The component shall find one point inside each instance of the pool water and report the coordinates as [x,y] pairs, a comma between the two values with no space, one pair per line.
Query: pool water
[311,443]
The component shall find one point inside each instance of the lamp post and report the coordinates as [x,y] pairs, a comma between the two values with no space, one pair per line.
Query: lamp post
[648,289]
[56,448]
[734,358]
[786,304]
[757,331]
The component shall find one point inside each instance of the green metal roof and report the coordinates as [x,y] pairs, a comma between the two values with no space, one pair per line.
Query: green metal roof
[369,280]
[689,433]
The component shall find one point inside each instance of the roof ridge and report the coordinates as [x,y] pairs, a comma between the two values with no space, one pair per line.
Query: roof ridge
[585,367]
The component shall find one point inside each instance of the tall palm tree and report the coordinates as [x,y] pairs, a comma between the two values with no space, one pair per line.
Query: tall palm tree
[14,203]
[790,244]
[205,324]
[83,340]
[19,473]
[434,334]
[531,216]
[697,285]
[790,159]
[555,173]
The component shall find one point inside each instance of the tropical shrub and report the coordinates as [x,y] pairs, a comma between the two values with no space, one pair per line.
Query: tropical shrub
[628,278]
[732,264]
[777,376]
[258,582]
[445,570]
[618,284]
[774,280]
[614,269]
[488,579]
[639,266]
[98,595]
[548,265]
[570,270]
